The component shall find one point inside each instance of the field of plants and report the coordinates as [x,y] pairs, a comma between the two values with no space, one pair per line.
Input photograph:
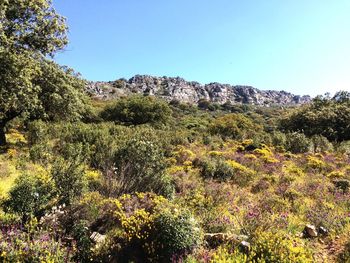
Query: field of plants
[143,180]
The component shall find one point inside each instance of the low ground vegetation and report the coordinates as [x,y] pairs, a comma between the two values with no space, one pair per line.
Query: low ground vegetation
[203,186]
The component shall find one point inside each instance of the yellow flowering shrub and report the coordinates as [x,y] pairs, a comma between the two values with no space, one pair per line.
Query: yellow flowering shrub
[292,169]
[183,154]
[266,154]
[315,163]
[239,167]
[250,156]
[223,255]
[266,247]
[14,137]
[277,247]
[216,153]
[336,174]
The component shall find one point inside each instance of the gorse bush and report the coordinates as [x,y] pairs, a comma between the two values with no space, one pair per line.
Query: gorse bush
[215,168]
[267,247]
[320,144]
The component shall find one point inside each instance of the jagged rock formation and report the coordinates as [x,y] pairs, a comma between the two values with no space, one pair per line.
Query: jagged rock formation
[191,91]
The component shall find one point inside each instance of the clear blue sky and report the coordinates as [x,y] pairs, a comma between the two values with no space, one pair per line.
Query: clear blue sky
[301,46]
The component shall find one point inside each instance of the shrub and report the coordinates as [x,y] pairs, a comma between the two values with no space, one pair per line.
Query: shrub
[344,148]
[266,247]
[203,104]
[175,232]
[278,139]
[235,126]
[140,166]
[215,169]
[138,110]
[297,143]
[329,118]
[321,144]
[16,245]
[81,235]
[69,179]
[145,228]
[30,195]
[276,247]
[344,256]
[222,170]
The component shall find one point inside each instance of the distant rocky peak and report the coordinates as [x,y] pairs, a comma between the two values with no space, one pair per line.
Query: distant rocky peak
[176,88]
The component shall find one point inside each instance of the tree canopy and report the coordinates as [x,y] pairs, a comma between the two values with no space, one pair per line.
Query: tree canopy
[329,117]
[136,110]
[31,85]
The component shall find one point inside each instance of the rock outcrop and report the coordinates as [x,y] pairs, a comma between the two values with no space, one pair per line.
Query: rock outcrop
[191,91]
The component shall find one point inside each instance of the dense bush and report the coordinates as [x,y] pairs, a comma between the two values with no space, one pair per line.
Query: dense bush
[68,176]
[235,126]
[321,144]
[216,169]
[31,195]
[222,170]
[175,232]
[138,110]
[327,117]
[297,143]
[140,166]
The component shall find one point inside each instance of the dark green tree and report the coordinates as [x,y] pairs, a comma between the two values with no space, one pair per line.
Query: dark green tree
[30,84]
[329,117]
[136,110]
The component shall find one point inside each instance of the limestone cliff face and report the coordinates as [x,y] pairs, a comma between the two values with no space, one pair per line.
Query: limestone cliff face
[191,91]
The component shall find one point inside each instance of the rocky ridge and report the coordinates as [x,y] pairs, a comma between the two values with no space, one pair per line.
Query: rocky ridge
[191,92]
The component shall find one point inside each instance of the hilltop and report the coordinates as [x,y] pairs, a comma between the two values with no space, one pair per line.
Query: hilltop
[177,88]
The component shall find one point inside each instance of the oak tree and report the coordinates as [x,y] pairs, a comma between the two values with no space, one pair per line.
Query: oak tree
[31,84]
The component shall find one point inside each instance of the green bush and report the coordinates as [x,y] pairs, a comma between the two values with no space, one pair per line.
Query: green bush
[215,169]
[278,139]
[297,143]
[235,126]
[344,147]
[174,233]
[327,117]
[69,179]
[140,165]
[81,234]
[30,195]
[321,144]
[138,110]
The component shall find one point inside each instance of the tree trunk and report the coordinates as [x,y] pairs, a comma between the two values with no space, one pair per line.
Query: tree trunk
[2,135]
